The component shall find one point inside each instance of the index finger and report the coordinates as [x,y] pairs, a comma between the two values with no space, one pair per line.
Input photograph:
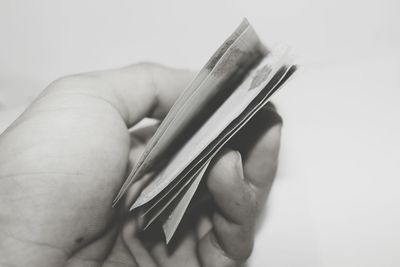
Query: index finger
[136,91]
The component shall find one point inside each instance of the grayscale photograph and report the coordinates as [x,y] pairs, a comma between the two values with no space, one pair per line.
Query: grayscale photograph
[199,133]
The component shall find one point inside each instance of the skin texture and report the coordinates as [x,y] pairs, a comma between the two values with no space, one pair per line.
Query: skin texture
[64,159]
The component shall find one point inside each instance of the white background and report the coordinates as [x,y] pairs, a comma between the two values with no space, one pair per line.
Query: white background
[336,200]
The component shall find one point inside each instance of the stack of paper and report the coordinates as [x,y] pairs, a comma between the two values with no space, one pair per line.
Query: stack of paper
[234,84]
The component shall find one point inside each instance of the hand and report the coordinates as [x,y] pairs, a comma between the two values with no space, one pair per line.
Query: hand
[64,159]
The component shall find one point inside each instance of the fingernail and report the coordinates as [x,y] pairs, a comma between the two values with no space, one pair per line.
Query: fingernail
[238,163]
[238,157]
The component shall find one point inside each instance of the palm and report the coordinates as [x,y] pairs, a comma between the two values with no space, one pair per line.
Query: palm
[63,161]
[71,161]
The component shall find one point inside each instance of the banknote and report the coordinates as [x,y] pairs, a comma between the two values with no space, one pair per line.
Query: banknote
[236,82]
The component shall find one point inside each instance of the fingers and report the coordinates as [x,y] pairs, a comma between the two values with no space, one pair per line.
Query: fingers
[259,144]
[211,254]
[135,91]
[239,187]
[139,138]
[229,189]
[149,248]
[181,250]
[130,233]
[230,242]
[120,256]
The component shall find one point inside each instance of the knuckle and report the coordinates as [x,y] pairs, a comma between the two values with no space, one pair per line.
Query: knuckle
[67,79]
[245,252]
[224,168]
[271,106]
[147,66]
[73,81]
[270,113]
[228,160]
[242,252]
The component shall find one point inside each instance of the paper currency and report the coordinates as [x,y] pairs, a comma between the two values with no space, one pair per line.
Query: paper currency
[235,83]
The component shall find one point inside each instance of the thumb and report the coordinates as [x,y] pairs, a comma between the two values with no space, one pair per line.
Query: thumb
[136,91]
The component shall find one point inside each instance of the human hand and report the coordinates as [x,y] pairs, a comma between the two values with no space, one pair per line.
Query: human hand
[63,161]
